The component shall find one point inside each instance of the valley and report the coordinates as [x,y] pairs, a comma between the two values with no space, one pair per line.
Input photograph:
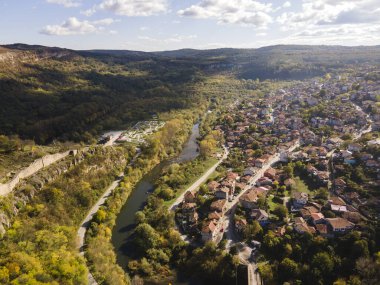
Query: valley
[225,166]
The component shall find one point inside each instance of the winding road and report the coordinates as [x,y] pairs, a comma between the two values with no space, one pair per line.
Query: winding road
[200,181]
[87,221]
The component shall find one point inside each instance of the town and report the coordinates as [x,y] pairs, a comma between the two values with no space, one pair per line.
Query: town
[303,159]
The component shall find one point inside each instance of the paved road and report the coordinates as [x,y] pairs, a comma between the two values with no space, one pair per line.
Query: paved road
[253,275]
[87,220]
[200,181]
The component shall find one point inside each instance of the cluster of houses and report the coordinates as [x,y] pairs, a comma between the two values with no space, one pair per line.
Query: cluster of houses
[357,156]
[208,221]
[262,128]
[311,220]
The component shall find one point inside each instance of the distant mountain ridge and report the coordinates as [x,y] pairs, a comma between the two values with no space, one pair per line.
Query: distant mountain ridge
[50,92]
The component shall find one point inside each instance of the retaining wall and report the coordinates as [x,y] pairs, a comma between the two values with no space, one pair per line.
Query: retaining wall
[34,167]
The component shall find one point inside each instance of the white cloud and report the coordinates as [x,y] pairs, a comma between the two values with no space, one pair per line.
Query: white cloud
[65,3]
[242,12]
[89,12]
[73,26]
[330,12]
[287,4]
[131,8]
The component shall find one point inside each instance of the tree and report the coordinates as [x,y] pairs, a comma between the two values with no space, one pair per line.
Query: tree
[100,216]
[288,170]
[322,194]
[281,212]
[266,272]
[288,269]
[252,230]
[146,237]
[323,262]
[140,217]
[360,249]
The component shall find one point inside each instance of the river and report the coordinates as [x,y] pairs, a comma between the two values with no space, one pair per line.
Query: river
[125,222]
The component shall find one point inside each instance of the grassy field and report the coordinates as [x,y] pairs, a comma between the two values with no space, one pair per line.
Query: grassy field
[206,164]
[300,186]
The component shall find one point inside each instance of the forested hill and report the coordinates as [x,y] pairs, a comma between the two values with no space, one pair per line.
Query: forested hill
[49,93]
[272,62]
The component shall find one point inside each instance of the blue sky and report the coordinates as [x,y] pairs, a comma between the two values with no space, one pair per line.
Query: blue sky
[173,24]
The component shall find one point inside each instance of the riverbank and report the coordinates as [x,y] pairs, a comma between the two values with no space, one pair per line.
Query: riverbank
[101,253]
[125,221]
[211,165]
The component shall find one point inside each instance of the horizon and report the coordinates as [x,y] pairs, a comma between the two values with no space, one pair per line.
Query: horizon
[188,48]
[164,25]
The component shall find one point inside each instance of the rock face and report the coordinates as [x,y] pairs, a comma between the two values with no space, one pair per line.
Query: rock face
[25,190]
[13,55]
[33,168]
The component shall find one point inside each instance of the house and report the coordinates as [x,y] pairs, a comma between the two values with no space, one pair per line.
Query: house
[322,230]
[339,185]
[349,160]
[271,173]
[300,199]
[209,231]
[338,208]
[264,181]
[190,197]
[301,227]
[352,196]
[249,171]
[372,163]
[260,162]
[240,224]
[244,179]
[353,217]
[317,218]
[323,177]
[339,225]
[334,200]
[222,193]
[193,217]
[260,215]
[232,175]
[249,199]
[354,147]
[336,141]
[374,142]
[345,153]
[188,207]
[213,185]
[307,211]
[218,205]
[214,216]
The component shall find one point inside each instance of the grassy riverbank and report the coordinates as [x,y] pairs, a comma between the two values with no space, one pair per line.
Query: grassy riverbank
[163,144]
[194,170]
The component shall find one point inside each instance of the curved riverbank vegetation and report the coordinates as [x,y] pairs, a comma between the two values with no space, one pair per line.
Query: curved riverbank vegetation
[163,144]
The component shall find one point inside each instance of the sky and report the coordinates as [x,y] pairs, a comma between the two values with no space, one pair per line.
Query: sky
[202,24]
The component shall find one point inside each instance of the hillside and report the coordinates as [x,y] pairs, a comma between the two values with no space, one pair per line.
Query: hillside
[53,93]
[49,93]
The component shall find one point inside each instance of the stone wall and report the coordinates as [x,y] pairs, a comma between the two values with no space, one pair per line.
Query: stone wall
[34,167]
